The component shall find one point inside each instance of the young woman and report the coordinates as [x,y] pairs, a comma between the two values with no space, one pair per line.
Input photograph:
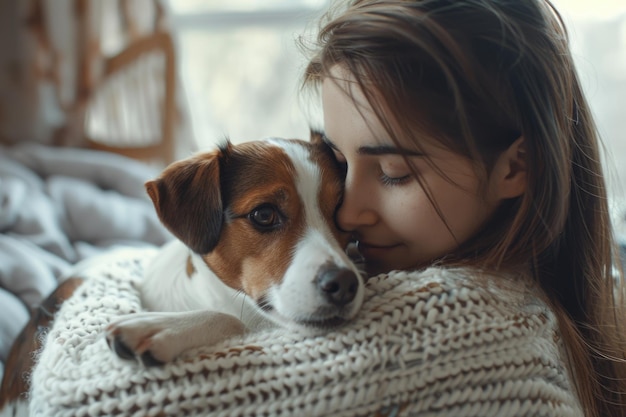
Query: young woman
[466,140]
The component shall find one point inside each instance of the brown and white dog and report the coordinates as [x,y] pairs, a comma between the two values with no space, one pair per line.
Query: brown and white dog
[257,246]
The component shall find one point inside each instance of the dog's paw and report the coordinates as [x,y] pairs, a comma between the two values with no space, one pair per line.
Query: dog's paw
[145,337]
[157,338]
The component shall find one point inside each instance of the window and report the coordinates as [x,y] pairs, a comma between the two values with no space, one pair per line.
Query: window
[241,66]
[598,38]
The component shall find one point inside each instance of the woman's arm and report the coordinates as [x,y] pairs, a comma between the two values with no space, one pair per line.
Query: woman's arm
[425,343]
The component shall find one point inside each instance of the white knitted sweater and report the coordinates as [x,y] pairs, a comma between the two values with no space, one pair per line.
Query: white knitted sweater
[431,343]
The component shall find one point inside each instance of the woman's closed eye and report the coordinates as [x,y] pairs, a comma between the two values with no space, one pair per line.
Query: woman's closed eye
[394,172]
[389,180]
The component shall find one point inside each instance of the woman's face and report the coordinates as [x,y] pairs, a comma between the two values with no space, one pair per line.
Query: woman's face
[390,214]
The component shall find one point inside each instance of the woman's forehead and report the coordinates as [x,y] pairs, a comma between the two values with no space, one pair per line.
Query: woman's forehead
[340,81]
[345,104]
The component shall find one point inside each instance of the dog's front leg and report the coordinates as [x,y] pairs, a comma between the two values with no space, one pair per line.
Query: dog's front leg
[158,337]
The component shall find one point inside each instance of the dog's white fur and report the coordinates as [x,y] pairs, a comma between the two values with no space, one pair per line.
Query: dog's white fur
[186,312]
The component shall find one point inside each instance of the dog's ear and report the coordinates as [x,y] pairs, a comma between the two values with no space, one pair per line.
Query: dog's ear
[188,199]
[317,137]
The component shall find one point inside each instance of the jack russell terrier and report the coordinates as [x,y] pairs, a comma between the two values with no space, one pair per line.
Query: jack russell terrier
[257,246]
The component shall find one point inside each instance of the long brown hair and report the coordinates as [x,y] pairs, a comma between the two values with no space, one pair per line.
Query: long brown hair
[477,75]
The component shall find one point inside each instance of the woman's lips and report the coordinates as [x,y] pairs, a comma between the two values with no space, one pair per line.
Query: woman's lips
[372,250]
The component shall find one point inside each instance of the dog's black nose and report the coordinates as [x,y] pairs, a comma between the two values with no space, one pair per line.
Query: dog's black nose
[338,285]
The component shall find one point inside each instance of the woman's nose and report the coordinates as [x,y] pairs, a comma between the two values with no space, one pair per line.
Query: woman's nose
[357,208]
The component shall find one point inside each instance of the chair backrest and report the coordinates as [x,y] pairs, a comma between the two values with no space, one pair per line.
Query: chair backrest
[133,109]
[99,74]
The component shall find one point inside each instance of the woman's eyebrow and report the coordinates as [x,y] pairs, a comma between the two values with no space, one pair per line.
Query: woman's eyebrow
[387,150]
[377,149]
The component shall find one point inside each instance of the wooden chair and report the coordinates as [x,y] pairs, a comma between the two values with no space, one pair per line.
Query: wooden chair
[122,98]
[133,109]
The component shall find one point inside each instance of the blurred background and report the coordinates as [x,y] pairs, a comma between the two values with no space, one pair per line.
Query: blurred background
[163,78]
[241,65]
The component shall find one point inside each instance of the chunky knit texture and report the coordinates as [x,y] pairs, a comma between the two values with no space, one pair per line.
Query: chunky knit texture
[430,343]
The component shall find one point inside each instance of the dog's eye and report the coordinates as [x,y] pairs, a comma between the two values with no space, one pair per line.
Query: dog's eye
[265,217]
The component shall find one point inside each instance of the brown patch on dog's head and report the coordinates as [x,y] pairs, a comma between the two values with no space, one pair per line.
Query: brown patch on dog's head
[190,268]
[331,191]
[263,218]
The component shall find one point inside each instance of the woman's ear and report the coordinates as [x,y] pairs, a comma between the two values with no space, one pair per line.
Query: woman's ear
[509,175]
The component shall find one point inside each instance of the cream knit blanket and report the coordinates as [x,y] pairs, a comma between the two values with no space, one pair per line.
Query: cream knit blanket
[429,343]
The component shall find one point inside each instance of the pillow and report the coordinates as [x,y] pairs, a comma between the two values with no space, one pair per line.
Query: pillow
[424,342]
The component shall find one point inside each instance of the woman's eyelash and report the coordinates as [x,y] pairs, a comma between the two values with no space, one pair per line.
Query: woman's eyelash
[393,181]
